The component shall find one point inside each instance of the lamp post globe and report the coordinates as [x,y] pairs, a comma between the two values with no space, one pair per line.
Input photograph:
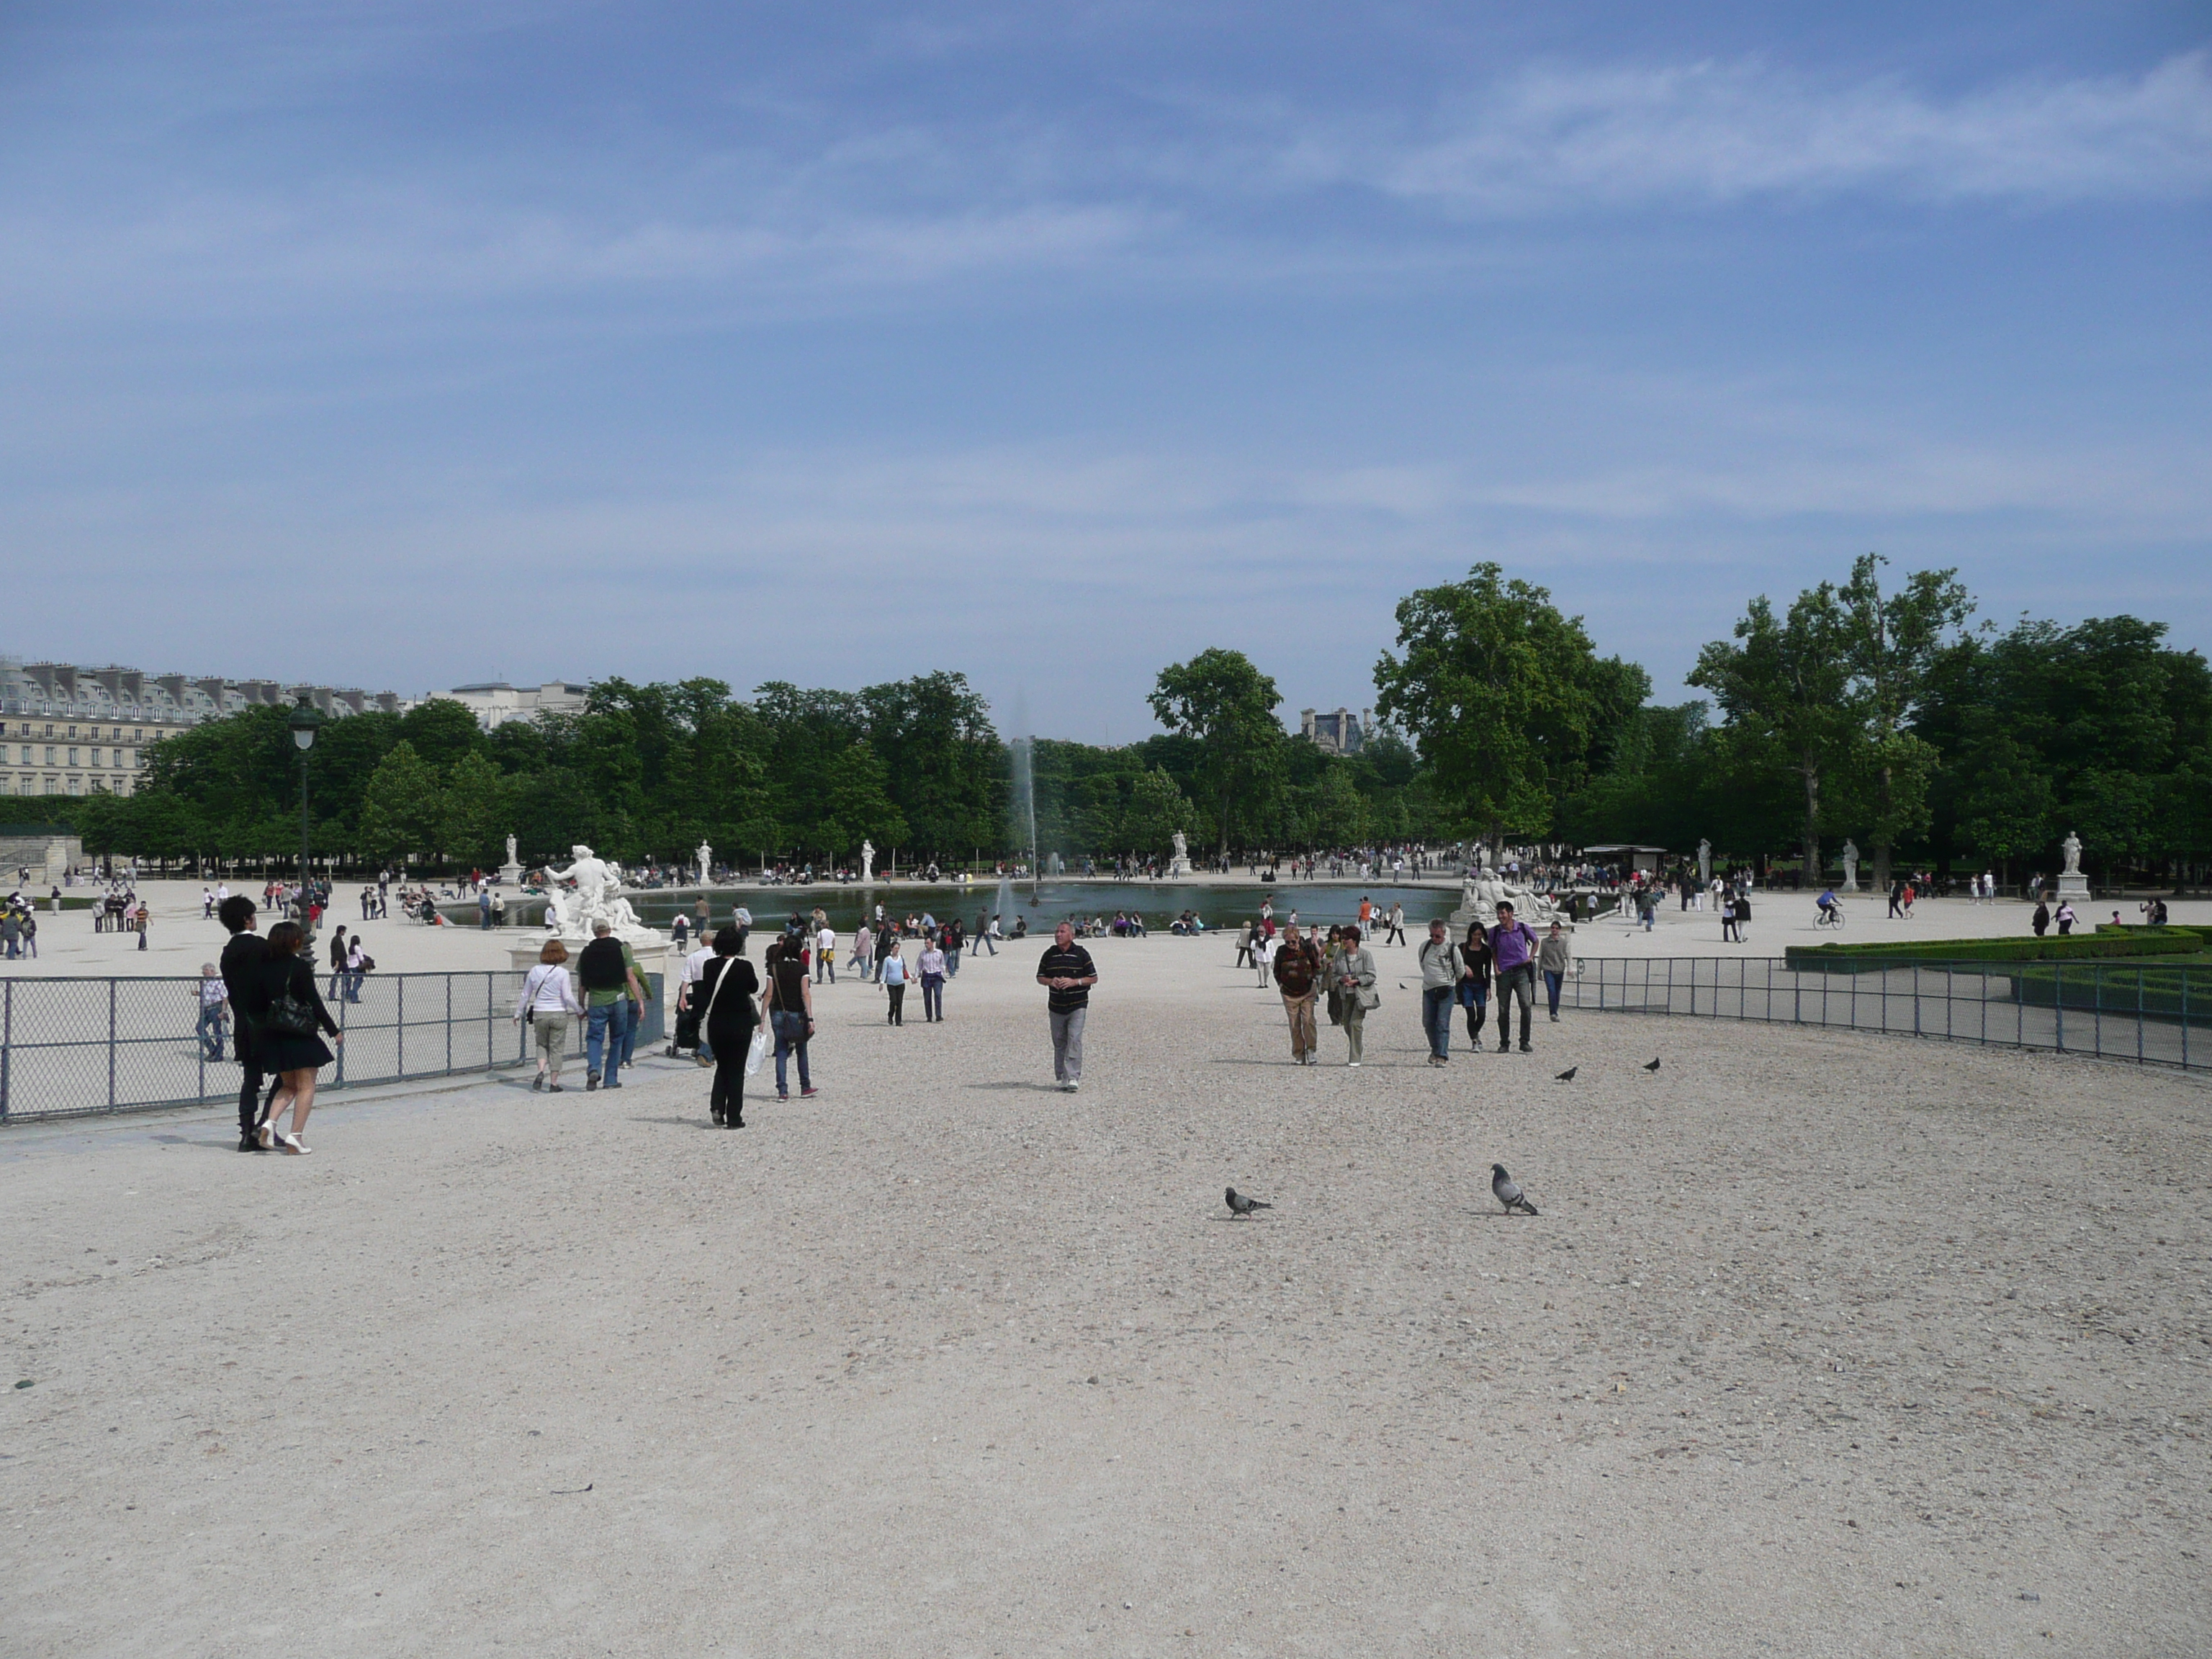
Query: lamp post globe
[304,722]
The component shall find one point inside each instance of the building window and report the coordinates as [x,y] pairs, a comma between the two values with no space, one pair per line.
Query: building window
[76,785]
[53,785]
[72,759]
[50,753]
[138,734]
[25,758]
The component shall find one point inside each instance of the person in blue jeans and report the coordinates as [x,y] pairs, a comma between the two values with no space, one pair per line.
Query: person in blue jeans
[1440,968]
[1554,958]
[790,1013]
[608,975]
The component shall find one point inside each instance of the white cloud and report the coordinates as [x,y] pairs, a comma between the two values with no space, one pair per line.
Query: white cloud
[1577,138]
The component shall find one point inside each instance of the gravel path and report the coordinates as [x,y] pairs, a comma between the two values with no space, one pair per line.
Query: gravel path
[1824,1344]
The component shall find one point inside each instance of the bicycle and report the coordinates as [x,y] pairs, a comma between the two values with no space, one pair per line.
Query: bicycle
[1828,916]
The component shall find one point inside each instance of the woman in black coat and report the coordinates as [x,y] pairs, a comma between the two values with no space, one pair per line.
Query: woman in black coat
[726,992]
[284,1000]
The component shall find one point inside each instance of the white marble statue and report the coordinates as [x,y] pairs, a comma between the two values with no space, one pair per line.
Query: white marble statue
[510,849]
[597,897]
[1180,866]
[1483,890]
[1850,865]
[2072,883]
[706,862]
[2072,847]
[868,860]
[1705,862]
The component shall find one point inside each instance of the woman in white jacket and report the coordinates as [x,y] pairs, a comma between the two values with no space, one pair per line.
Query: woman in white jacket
[548,1002]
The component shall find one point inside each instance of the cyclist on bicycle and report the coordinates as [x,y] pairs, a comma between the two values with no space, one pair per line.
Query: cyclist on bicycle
[1827,908]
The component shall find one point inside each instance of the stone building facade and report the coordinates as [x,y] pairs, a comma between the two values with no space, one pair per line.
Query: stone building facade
[71,729]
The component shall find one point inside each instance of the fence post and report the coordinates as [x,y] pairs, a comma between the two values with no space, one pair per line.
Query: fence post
[1916,999]
[399,1021]
[449,1022]
[8,1043]
[338,1079]
[111,1045]
[2139,1016]
[2097,1009]
[489,1050]
[2058,999]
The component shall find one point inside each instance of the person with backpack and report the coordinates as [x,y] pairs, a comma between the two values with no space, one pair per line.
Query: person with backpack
[791,1012]
[1440,968]
[613,998]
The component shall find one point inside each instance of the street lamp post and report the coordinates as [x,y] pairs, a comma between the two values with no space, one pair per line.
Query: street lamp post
[304,722]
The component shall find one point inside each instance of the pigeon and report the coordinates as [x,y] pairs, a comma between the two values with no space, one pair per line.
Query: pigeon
[1507,1191]
[1240,1205]
[1567,1076]
[1654,1065]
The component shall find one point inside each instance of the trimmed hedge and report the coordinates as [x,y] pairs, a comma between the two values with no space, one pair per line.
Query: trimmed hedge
[1839,958]
[2168,990]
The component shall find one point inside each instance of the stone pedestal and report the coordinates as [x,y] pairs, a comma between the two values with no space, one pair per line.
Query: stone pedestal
[2072,884]
[1178,867]
[510,875]
[647,944]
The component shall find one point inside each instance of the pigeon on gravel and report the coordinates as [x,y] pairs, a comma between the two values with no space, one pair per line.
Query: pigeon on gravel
[1567,1076]
[1240,1205]
[1654,1065]
[1507,1191]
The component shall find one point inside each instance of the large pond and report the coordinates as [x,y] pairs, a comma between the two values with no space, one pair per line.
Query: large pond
[1158,902]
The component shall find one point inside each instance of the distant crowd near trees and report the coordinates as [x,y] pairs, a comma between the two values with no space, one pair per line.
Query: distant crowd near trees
[1881,714]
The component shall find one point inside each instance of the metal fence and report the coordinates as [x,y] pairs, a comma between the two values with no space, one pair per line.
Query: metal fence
[75,1045]
[2133,1010]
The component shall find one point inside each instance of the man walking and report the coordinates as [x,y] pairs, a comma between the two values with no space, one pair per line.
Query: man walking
[1512,953]
[951,942]
[612,994]
[1397,933]
[1067,973]
[1441,967]
[1297,965]
[825,953]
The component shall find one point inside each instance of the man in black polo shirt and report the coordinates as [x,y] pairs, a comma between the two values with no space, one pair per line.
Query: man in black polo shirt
[239,957]
[1067,973]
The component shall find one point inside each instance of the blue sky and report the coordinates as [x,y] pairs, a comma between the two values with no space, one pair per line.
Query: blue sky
[404,345]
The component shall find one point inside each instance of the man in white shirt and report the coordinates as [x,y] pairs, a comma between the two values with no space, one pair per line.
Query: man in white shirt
[695,966]
[825,954]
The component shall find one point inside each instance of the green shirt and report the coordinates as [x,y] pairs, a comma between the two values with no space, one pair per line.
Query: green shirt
[612,994]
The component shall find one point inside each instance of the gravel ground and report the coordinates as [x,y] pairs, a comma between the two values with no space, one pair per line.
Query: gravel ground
[1823,1344]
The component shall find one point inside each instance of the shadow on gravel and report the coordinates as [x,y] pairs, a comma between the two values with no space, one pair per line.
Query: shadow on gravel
[1041,1088]
[187,1140]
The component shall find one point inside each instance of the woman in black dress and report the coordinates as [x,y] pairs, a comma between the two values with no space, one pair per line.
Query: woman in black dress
[287,1009]
[731,1013]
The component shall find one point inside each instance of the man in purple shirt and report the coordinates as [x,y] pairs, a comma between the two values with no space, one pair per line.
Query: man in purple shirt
[1513,952]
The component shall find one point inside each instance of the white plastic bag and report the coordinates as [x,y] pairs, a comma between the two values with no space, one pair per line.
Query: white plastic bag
[753,1055]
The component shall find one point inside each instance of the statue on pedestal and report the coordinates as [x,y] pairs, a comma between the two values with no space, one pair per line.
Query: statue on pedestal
[1181,865]
[2072,883]
[1705,862]
[1484,890]
[868,860]
[510,872]
[706,855]
[598,899]
[1850,865]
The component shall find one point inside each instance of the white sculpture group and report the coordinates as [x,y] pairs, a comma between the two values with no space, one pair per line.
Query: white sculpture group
[1484,890]
[597,897]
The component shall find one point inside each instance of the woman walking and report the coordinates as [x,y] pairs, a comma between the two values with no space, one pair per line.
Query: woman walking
[933,981]
[1474,982]
[728,987]
[890,970]
[287,1010]
[1352,972]
[549,1003]
[1553,960]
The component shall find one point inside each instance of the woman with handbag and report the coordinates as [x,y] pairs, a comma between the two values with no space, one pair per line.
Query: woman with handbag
[725,990]
[548,1002]
[1352,972]
[287,1010]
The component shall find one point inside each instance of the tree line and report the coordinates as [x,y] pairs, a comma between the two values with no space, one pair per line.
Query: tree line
[1856,710]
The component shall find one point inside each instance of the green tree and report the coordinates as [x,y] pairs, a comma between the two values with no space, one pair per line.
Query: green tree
[439,730]
[476,811]
[1784,687]
[2006,810]
[1892,643]
[1157,809]
[1219,699]
[1505,696]
[402,809]
[857,803]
